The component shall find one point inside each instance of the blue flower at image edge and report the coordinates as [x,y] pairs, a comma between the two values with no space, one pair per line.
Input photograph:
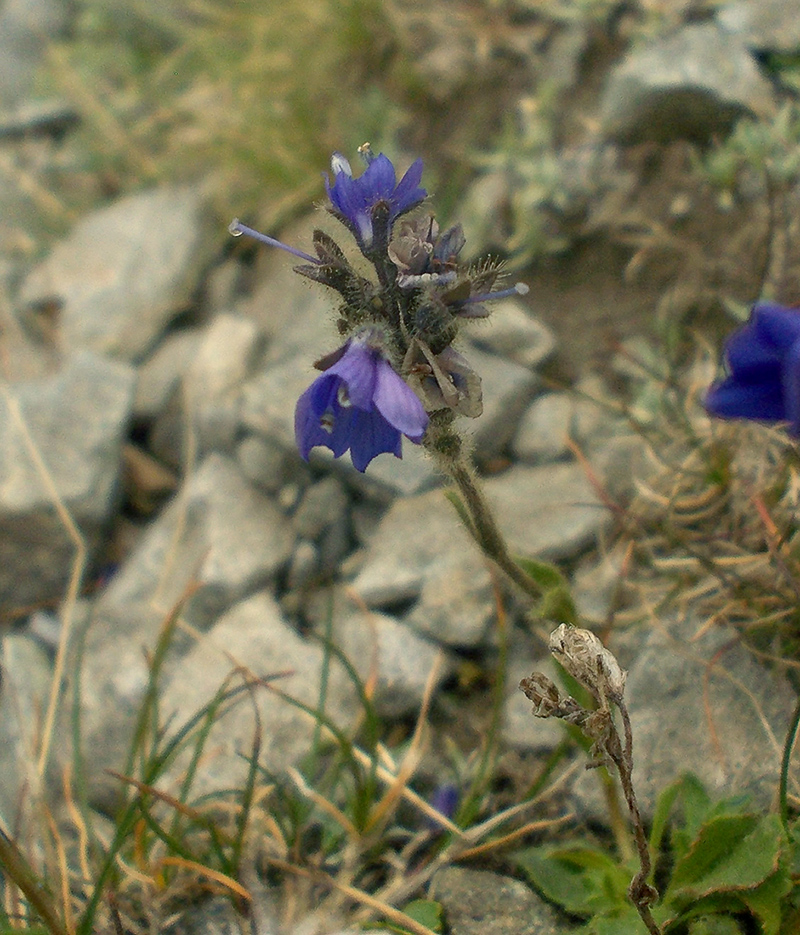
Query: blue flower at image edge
[359,403]
[764,370]
[354,198]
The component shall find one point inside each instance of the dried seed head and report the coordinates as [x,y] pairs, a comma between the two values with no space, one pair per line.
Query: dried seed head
[543,693]
[549,702]
[586,659]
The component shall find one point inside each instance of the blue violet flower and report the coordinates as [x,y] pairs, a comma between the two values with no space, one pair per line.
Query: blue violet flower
[359,403]
[764,370]
[355,199]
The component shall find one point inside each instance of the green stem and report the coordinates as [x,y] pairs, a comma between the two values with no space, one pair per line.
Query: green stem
[19,870]
[788,746]
[445,445]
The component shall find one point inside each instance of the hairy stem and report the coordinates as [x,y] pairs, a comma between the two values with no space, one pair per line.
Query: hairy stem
[446,447]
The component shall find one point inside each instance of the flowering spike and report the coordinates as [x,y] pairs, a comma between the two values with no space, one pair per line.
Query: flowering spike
[396,362]
[236,229]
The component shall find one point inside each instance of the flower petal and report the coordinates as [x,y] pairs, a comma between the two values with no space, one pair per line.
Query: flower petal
[318,403]
[370,436]
[357,369]
[747,353]
[776,325]
[408,194]
[791,387]
[736,399]
[398,403]
[378,180]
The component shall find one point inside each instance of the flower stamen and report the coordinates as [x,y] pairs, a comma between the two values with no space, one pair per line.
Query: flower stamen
[519,288]
[236,229]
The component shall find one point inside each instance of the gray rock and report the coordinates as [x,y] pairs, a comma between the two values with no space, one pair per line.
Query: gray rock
[125,271]
[513,332]
[384,649]
[595,415]
[456,604]
[76,421]
[214,379]
[323,505]
[693,83]
[160,375]
[765,25]
[269,399]
[214,916]
[304,565]
[24,690]
[254,636]
[264,462]
[544,429]
[387,477]
[334,543]
[206,393]
[704,705]
[596,584]
[479,902]
[551,512]
[419,537]
[483,212]
[215,543]
[31,117]
[217,533]
[507,390]
[298,317]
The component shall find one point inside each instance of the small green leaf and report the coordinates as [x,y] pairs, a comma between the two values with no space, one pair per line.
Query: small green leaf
[696,808]
[626,922]
[714,925]
[582,880]
[427,912]
[556,602]
[661,814]
[765,900]
[545,574]
[731,853]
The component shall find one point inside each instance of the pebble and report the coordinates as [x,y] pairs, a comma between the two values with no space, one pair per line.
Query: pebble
[75,422]
[693,83]
[481,902]
[125,271]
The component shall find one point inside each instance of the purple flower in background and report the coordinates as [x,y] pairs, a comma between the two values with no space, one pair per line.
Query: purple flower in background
[445,801]
[764,362]
[359,403]
[354,199]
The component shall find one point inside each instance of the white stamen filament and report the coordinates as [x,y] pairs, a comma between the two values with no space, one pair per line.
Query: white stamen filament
[519,288]
[236,228]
